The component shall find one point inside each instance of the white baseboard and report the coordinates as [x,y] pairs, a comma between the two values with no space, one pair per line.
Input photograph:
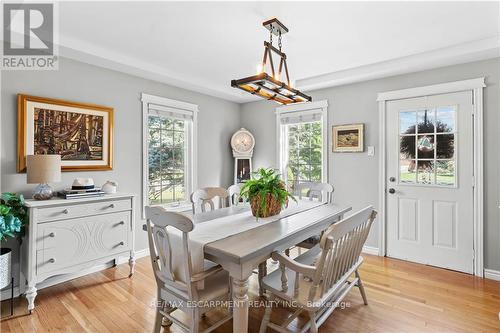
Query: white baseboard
[492,274]
[5,294]
[137,254]
[370,250]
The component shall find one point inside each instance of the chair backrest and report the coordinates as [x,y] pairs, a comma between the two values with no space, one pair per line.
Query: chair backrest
[234,194]
[160,250]
[320,191]
[341,246]
[204,197]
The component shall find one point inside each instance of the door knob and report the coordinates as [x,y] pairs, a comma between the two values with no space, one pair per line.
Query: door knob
[392,179]
[392,191]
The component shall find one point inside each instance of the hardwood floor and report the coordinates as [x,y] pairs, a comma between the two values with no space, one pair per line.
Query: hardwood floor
[402,296]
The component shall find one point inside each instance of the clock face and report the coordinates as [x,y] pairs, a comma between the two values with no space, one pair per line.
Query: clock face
[242,142]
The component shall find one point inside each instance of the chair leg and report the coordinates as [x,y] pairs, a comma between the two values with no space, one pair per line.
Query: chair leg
[314,326]
[195,321]
[267,316]
[361,288]
[262,273]
[158,320]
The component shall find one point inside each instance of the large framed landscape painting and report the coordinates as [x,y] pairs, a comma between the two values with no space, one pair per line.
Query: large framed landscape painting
[81,133]
[348,138]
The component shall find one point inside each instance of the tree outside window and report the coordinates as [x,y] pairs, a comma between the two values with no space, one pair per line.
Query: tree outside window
[304,152]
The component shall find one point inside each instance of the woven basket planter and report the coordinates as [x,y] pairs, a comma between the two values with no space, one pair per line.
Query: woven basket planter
[272,207]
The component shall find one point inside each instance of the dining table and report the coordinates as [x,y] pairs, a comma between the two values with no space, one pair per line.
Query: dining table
[241,253]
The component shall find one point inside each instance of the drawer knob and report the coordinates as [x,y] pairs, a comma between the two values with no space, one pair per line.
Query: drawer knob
[111,206]
[121,243]
[52,234]
[65,211]
[52,260]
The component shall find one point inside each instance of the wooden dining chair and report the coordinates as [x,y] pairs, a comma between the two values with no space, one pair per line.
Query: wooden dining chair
[174,294]
[204,197]
[320,191]
[234,194]
[328,268]
[314,191]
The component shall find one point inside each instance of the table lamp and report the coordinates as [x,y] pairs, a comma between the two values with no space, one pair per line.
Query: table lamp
[43,169]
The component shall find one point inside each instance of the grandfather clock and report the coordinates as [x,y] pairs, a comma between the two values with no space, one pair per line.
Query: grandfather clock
[242,143]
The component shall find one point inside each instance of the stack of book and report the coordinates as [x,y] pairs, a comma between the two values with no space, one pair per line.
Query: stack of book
[71,193]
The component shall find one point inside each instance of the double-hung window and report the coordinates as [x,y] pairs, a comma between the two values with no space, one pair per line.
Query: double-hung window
[302,142]
[169,151]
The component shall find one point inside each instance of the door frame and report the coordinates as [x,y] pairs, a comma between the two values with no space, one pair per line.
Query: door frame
[476,87]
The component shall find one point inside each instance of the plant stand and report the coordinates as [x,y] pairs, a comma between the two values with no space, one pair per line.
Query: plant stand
[11,296]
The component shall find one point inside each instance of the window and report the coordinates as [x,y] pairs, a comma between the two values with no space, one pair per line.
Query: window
[427,147]
[302,143]
[169,130]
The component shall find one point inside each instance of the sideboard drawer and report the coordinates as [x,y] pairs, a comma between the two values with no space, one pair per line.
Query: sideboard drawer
[78,210]
[67,243]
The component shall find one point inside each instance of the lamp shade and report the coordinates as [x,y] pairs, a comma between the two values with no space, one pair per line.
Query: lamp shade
[43,169]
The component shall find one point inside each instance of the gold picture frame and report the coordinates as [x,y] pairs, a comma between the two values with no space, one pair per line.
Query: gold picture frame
[348,138]
[81,133]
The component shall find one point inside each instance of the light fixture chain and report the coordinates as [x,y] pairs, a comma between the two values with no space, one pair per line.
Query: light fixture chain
[271,36]
[279,39]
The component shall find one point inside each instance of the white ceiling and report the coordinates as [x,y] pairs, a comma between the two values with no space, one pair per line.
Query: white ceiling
[203,45]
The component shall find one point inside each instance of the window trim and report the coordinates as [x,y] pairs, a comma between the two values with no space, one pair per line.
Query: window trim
[182,108]
[285,110]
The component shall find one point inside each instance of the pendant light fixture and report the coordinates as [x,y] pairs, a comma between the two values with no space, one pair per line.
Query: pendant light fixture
[270,86]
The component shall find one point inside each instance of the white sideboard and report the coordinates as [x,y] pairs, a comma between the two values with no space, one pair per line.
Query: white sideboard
[67,236]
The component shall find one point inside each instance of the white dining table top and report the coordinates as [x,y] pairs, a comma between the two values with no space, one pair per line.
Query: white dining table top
[252,243]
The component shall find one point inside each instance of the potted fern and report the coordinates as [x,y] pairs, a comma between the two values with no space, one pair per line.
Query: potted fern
[266,193]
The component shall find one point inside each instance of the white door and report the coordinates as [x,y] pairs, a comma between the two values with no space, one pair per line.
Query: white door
[430,180]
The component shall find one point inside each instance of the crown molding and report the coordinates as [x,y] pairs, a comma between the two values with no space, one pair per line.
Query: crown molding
[457,54]
[89,53]
[462,53]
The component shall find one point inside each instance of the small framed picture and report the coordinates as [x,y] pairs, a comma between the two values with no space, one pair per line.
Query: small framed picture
[81,133]
[348,138]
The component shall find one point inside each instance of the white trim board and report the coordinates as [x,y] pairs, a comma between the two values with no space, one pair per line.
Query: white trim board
[492,274]
[435,89]
[370,250]
[476,86]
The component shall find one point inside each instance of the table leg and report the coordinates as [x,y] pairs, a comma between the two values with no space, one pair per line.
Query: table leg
[240,305]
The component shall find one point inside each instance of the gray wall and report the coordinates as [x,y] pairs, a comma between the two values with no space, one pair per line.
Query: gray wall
[355,175]
[80,82]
